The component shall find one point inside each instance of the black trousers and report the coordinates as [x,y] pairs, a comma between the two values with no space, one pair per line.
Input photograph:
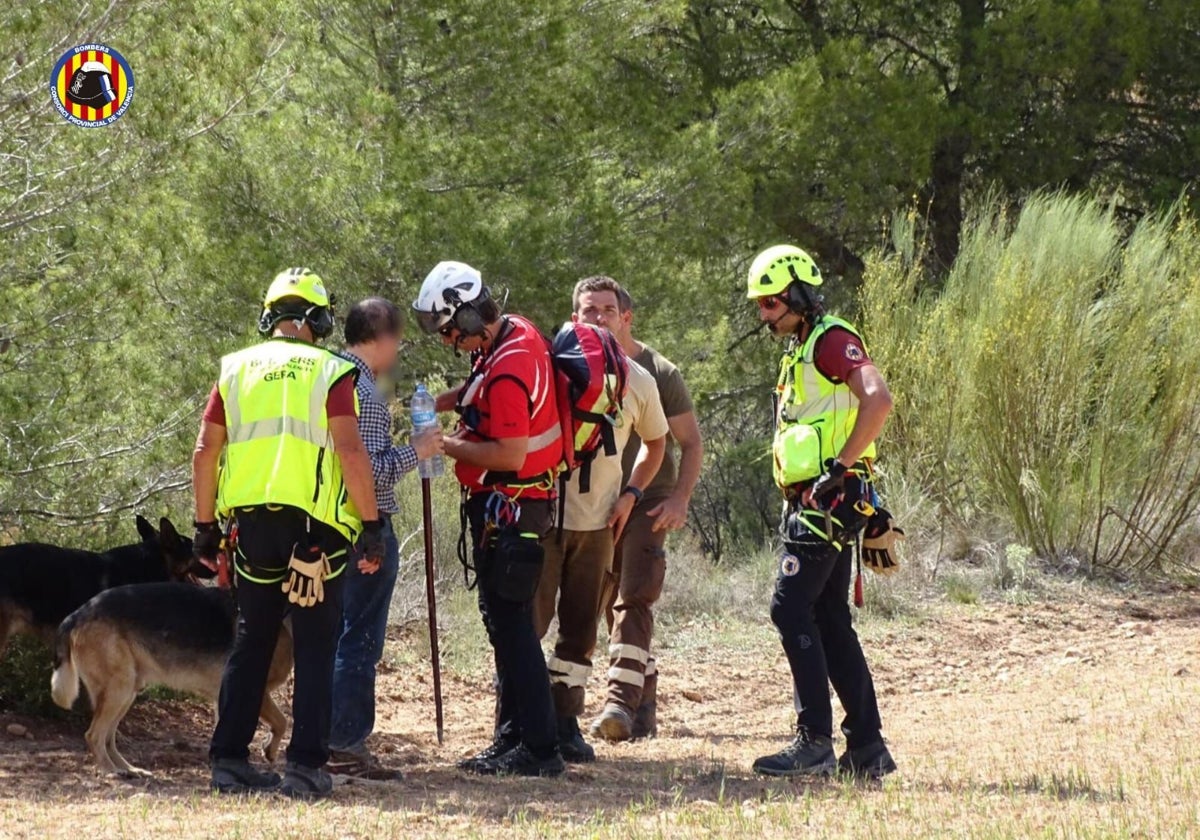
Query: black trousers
[811,609]
[265,542]
[524,708]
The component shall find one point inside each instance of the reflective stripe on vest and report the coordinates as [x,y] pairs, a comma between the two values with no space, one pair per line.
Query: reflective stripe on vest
[544,446]
[808,397]
[279,449]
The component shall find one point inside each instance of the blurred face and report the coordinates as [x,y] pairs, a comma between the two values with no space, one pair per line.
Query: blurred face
[388,348]
[601,309]
[380,352]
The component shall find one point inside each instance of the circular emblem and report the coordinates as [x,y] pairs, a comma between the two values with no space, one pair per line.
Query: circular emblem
[91,85]
[789,565]
[854,353]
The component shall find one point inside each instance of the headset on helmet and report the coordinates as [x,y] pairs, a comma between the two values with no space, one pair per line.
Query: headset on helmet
[788,272]
[297,294]
[453,294]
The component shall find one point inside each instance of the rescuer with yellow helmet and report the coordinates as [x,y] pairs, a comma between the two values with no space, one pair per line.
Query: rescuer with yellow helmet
[830,405]
[279,458]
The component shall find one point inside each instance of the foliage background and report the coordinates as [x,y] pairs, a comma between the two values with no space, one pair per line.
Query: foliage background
[1041,343]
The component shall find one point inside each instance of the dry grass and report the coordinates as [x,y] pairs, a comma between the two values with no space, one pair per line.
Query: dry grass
[1072,716]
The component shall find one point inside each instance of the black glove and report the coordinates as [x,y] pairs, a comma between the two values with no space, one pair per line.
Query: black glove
[372,543]
[827,490]
[206,544]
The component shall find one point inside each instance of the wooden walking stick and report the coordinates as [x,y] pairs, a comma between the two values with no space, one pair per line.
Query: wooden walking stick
[431,600]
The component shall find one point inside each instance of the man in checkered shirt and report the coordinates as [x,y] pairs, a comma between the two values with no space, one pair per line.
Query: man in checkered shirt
[373,329]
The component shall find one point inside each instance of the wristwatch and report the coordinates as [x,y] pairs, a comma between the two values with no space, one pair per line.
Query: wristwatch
[632,491]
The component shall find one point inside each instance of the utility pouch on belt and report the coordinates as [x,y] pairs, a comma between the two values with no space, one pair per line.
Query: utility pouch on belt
[515,567]
[307,570]
[797,455]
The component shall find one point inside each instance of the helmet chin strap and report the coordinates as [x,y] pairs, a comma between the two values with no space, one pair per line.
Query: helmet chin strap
[773,324]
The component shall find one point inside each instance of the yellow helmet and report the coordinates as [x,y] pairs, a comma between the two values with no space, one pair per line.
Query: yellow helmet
[297,282]
[306,299]
[777,268]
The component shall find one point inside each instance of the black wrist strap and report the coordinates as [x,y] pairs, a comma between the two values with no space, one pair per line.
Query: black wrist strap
[633,491]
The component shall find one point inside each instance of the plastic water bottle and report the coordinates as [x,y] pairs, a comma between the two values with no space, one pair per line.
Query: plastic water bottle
[424,416]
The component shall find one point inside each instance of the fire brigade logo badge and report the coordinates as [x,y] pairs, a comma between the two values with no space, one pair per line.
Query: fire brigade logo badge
[854,353]
[91,86]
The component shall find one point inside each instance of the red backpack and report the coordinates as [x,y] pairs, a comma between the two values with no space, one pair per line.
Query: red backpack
[593,375]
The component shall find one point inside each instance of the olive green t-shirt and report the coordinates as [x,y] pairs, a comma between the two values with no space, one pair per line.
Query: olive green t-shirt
[676,400]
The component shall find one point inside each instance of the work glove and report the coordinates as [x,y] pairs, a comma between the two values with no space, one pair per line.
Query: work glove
[372,544]
[879,543]
[827,490]
[206,543]
[307,570]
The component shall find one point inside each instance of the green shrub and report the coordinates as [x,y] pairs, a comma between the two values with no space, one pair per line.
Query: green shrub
[960,589]
[1055,378]
[25,678]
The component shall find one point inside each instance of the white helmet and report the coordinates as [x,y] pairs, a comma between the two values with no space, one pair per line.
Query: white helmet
[446,289]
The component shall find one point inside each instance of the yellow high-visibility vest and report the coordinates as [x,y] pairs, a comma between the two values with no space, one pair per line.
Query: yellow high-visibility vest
[814,415]
[279,450]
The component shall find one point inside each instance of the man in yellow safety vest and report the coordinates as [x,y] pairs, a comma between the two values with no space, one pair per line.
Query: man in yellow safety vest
[280,458]
[831,405]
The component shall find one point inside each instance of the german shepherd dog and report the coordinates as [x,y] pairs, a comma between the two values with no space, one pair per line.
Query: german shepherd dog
[173,634]
[40,585]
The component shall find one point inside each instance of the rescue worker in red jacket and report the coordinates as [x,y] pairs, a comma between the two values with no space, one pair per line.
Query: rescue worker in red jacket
[507,451]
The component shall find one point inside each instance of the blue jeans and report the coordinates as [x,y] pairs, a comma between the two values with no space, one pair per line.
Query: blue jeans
[365,603]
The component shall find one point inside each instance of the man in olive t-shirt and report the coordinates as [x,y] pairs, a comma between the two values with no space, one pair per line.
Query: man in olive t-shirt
[640,561]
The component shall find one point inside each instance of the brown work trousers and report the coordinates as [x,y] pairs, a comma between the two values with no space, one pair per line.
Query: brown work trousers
[634,586]
[573,575]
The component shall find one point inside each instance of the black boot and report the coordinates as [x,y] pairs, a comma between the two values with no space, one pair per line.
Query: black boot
[519,761]
[301,782]
[870,762]
[478,762]
[574,749]
[233,775]
[807,755]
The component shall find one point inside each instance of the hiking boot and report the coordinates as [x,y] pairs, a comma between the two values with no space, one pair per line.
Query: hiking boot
[571,745]
[493,751]
[614,724]
[807,755]
[236,775]
[645,722]
[870,762]
[361,763]
[300,782]
[519,761]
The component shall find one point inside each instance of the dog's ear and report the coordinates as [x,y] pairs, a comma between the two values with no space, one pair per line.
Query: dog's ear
[146,530]
[167,532]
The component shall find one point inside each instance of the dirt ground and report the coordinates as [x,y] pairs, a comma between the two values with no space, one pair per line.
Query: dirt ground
[1073,716]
